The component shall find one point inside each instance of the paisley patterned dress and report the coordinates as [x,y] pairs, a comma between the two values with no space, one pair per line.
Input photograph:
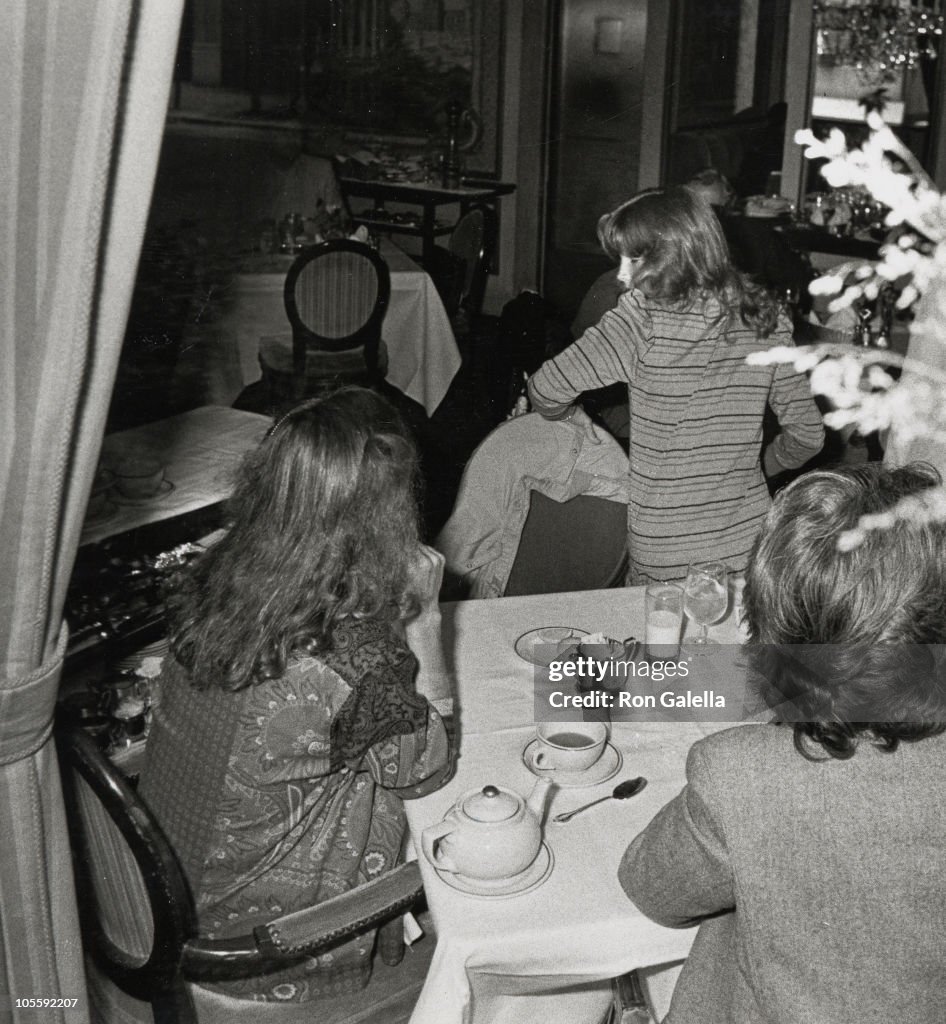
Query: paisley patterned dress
[289,792]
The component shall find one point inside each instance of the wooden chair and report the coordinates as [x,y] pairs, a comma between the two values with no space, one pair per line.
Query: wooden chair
[336,295]
[538,512]
[460,270]
[137,915]
[448,272]
[579,544]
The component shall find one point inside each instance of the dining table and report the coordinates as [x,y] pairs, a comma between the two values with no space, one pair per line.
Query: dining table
[427,197]
[199,451]
[548,954]
[423,357]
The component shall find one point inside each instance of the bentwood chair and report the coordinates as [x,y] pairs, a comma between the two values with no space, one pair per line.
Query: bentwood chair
[460,270]
[538,512]
[138,920]
[336,294]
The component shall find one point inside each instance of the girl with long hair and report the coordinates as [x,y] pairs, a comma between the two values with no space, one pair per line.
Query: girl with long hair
[679,338]
[290,726]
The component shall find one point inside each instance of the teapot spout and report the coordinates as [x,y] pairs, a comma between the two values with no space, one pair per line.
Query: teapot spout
[538,797]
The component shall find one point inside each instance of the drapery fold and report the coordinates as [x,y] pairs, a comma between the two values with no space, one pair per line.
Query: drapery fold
[84,95]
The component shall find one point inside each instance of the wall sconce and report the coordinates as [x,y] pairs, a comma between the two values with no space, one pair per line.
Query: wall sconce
[608,33]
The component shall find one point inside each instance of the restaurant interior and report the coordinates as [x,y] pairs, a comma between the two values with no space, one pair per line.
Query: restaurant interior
[176,171]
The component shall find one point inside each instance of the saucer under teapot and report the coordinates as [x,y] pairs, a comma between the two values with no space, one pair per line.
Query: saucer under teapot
[504,888]
[491,833]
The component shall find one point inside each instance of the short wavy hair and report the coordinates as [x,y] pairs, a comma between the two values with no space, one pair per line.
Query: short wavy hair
[324,522]
[683,254]
[843,642]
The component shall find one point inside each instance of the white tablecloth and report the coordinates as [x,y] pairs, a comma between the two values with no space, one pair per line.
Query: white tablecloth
[200,450]
[423,357]
[545,956]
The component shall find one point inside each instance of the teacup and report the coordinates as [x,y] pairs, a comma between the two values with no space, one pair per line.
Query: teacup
[568,746]
[139,477]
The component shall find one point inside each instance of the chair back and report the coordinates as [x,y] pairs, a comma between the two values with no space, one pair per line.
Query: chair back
[336,295]
[473,240]
[134,902]
[137,911]
[579,544]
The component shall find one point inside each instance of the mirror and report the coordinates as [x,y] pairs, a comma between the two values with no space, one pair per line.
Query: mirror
[727,94]
[352,69]
[874,55]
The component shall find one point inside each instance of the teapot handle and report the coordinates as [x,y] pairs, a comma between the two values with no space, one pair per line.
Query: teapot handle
[427,839]
[537,759]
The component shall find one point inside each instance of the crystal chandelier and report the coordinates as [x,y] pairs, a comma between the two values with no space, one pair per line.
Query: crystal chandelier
[877,37]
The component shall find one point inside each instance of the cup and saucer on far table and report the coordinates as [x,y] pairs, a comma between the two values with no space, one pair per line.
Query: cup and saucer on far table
[572,754]
[141,480]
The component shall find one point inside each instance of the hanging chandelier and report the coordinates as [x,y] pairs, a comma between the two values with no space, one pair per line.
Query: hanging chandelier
[877,37]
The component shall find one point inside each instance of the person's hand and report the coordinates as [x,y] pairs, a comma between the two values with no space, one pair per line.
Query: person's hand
[425,576]
[521,408]
[422,630]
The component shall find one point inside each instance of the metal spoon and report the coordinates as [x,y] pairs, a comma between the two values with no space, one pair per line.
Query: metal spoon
[622,791]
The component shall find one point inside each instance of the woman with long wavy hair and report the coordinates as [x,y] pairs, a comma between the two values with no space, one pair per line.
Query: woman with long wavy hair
[679,338]
[290,726]
[811,850]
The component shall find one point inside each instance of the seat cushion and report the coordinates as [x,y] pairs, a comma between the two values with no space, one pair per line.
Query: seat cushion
[275,356]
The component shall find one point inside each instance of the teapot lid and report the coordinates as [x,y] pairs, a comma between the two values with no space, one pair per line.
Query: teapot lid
[491,804]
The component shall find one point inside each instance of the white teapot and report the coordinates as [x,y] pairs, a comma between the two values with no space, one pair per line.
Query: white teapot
[489,833]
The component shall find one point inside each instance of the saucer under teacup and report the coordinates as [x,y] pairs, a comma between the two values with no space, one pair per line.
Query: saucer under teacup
[606,767]
[164,489]
[504,888]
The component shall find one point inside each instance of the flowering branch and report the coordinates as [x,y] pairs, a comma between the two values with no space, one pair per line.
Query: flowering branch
[856,381]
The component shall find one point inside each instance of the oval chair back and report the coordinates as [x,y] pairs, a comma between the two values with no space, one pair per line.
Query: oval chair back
[335,295]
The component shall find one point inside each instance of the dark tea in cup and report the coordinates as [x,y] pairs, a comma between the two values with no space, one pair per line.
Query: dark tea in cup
[571,748]
[570,739]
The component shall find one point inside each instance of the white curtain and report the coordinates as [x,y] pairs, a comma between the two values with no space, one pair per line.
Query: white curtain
[83,95]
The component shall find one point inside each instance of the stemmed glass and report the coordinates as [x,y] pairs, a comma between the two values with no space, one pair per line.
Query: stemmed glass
[705,599]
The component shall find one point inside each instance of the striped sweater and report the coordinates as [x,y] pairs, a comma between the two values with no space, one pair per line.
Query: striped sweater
[696,485]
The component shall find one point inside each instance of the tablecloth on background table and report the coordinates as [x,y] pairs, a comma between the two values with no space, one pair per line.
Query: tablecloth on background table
[200,450]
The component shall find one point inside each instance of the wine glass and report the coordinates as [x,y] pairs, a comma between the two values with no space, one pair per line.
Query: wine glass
[705,599]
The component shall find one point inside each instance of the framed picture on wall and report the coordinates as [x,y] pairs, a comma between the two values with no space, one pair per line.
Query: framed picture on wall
[372,69]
